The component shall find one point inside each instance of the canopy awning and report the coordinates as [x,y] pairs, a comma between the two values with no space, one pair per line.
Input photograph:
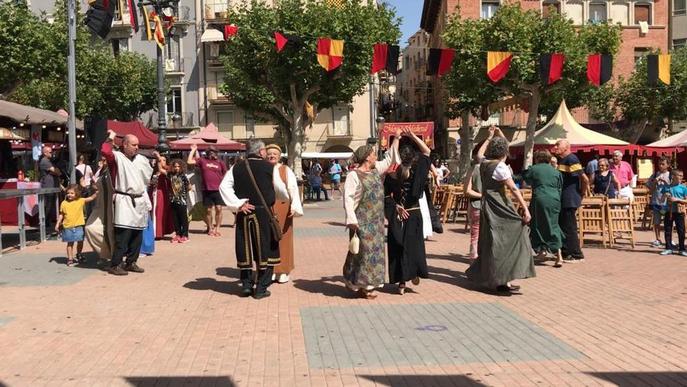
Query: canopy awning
[146,138]
[33,116]
[678,139]
[212,35]
[207,137]
[564,127]
[7,134]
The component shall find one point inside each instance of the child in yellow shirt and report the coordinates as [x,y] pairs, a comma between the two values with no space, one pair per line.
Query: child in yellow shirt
[72,220]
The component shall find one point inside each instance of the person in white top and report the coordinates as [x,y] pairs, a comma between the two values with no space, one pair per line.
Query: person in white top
[86,171]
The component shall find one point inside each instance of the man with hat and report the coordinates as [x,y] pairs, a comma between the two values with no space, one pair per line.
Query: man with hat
[212,171]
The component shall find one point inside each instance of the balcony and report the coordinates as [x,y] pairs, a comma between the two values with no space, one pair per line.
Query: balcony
[174,66]
[216,97]
[216,11]
[186,122]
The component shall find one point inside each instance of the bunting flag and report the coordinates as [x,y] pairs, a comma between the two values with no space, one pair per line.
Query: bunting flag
[146,19]
[309,111]
[658,67]
[159,33]
[385,57]
[280,40]
[551,68]
[440,61]
[599,68]
[230,30]
[330,53]
[133,14]
[498,63]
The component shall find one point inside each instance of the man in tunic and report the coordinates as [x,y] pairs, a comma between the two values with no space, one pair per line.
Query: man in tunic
[130,174]
[250,190]
[575,182]
[212,170]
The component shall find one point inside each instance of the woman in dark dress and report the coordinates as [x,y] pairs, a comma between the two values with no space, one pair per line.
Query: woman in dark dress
[605,183]
[504,249]
[402,192]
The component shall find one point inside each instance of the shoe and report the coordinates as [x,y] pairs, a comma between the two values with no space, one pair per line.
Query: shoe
[666,252]
[183,239]
[514,288]
[503,289]
[570,260]
[117,270]
[245,292]
[261,295]
[415,281]
[401,289]
[176,239]
[656,243]
[683,253]
[283,278]
[71,262]
[133,267]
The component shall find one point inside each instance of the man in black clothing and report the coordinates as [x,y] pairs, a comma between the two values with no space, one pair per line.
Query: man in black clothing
[575,182]
[255,242]
[49,176]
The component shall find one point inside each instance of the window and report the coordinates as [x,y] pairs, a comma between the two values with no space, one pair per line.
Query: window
[173,54]
[489,8]
[174,101]
[640,53]
[250,126]
[679,43]
[620,12]
[119,45]
[679,7]
[225,122]
[597,12]
[575,12]
[340,118]
[643,13]
[549,6]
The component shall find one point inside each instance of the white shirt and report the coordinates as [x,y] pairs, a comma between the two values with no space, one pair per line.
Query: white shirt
[502,172]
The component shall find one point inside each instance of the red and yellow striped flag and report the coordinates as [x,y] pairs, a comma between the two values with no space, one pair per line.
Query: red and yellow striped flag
[498,63]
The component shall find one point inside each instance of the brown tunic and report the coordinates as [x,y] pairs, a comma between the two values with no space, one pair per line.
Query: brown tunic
[282,209]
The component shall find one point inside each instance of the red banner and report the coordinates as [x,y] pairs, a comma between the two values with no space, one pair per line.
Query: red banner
[424,130]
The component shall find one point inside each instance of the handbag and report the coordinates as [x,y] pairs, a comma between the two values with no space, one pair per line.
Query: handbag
[274,221]
[354,244]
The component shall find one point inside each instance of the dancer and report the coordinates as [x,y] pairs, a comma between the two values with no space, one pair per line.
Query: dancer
[364,205]
[403,190]
[285,210]
[504,246]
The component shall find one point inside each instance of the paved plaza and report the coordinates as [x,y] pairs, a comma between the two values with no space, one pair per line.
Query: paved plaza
[620,318]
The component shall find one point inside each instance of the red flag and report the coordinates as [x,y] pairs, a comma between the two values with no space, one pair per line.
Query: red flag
[498,63]
[379,57]
[599,68]
[440,61]
[281,41]
[551,67]
[133,14]
[230,31]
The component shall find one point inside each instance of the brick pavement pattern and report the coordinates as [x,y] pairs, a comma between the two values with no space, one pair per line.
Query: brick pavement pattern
[617,319]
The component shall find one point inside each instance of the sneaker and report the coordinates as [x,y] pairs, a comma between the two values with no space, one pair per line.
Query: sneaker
[283,278]
[666,252]
[656,243]
[117,270]
[176,239]
[133,267]
[183,239]
[683,253]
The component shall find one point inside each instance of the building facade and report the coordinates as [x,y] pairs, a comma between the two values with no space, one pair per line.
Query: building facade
[678,25]
[413,89]
[645,26]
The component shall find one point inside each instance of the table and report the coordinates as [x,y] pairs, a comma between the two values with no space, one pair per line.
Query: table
[8,208]
[20,194]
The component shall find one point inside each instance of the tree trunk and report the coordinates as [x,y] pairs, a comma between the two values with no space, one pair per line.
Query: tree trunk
[294,138]
[535,99]
[467,143]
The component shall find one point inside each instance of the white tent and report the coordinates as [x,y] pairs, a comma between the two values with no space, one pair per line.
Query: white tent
[564,126]
[678,139]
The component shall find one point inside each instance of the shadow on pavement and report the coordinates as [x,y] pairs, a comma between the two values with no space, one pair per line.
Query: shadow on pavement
[328,286]
[151,381]
[225,287]
[339,224]
[423,380]
[660,378]
[458,278]
[451,257]
[91,261]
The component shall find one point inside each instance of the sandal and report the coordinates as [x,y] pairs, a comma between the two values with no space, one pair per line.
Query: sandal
[401,289]
[71,262]
[368,295]
[415,281]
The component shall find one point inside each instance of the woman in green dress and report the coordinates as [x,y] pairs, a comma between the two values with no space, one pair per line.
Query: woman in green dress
[546,183]
[364,205]
[504,250]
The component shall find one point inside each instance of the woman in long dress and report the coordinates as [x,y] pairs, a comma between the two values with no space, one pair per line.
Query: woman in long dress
[285,211]
[364,205]
[404,190]
[504,250]
[546,182]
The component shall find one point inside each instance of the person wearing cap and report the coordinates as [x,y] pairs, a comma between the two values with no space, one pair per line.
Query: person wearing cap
[622,170]
[285,210]
[212,171]
[364,271]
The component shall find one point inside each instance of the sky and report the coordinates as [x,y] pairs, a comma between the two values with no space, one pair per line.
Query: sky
[410,11]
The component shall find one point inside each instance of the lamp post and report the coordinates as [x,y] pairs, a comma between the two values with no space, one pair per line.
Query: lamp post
[159,6]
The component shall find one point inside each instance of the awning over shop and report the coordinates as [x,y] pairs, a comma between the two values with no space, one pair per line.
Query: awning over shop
[146,138]
[212,35]
[676,140]
[30,115]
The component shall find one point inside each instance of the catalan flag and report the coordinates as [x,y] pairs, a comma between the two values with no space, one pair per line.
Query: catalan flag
[498,63]
[159,33]
[146,19]
[133,14]
[330,53]
[658,67]
[599,68]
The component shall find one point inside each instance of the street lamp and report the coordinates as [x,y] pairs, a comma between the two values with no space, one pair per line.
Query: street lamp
[159,6]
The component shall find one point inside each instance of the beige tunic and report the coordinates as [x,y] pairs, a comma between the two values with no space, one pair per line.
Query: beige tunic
[131,202]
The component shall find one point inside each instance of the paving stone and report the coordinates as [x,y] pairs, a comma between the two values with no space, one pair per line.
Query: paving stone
[42,269]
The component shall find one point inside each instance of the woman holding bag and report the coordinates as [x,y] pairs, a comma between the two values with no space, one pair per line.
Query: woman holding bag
[364,205]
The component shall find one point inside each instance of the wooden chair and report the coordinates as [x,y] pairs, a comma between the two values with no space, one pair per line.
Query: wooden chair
[639,205]
[621,221]
[447,202]
[460,208]
[591,219]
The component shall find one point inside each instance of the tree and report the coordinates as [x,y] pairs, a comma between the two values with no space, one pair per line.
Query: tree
[528,35]
[119,87]
[278,85]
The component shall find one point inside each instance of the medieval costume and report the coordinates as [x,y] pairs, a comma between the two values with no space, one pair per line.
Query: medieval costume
[130,179]
[255,242]
[99,225]
[405,238]
[285,211]
[162,211]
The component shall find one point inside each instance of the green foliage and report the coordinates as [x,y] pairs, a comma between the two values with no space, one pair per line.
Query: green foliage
[119,87]
[266,83]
